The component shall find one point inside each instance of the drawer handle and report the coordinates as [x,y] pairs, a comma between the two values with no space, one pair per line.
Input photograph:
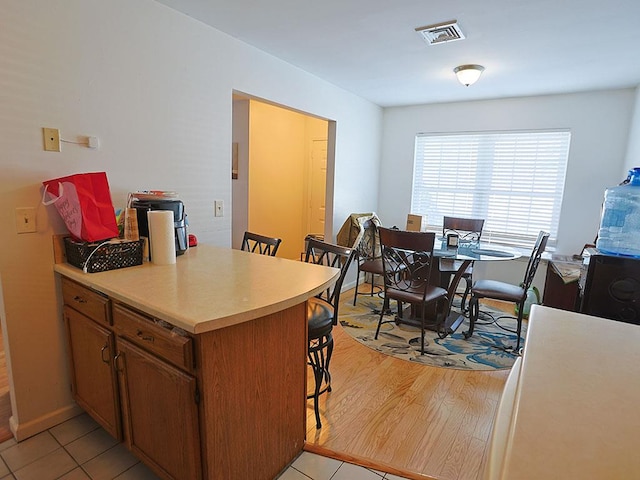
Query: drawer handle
[105,359]
[146,338]
[79,299]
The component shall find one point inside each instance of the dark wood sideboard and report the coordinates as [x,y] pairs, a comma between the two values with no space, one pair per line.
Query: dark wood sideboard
[608,286]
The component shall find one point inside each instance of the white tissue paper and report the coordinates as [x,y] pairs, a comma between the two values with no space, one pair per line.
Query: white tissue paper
[162,237]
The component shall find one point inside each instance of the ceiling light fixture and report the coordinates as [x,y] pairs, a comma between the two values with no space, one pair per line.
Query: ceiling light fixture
[468,74]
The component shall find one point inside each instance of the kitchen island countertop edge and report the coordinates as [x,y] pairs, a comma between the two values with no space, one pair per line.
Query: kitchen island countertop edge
[209,287]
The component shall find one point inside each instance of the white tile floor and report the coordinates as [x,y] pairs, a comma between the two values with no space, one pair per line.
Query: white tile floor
[79,449]
[310,466]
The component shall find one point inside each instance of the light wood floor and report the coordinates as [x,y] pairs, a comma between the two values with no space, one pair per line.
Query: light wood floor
[412,420]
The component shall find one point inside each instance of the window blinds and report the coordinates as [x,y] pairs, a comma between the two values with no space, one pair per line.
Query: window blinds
[514,180]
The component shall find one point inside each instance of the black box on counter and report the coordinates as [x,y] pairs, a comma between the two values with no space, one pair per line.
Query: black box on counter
[103,256]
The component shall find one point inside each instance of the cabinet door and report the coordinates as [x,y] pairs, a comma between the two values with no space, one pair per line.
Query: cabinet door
[93,377]
[160,413]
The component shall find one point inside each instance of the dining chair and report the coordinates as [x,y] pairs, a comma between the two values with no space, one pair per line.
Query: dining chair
[322,315]
[368,256]
[497,290]
[407,260]
[468,230]
[256,243]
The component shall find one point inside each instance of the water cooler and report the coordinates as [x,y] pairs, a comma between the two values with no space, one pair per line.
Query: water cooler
[619,232]
[612,285]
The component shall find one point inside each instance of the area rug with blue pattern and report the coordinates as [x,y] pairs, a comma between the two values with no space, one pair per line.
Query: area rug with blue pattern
[489,348]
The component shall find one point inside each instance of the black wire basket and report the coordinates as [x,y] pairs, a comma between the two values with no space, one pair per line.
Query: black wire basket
[100,257]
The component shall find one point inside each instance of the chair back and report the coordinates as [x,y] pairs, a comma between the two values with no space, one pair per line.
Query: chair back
[467,229]
[407,260]
[330,255]
[255,243]
[534,260]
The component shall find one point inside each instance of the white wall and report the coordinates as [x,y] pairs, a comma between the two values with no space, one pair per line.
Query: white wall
[633,149]
[240,186]
[156,87]
[599,123]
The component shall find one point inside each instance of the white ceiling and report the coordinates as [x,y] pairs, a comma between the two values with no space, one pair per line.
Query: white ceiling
[370,47]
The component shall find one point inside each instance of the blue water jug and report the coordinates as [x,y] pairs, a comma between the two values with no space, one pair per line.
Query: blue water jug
[619,232]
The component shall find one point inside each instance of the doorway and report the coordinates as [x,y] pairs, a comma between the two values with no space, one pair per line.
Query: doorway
[283,181]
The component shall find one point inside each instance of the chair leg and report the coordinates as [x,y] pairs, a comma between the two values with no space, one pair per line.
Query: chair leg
[519,327]
[465,295]
[386,308]
[327,374]
[355,295]
[380,319]
[319,362]
[473,315]
[422,332]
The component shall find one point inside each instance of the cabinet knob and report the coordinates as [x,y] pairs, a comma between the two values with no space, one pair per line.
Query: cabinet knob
[79,299]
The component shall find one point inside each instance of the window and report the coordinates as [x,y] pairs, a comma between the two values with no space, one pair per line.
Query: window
[514,180]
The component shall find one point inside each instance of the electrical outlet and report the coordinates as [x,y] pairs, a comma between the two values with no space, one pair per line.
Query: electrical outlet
[26,220]
[218,208]
[51,138]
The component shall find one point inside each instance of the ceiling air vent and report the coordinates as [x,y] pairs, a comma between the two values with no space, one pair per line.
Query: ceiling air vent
[441,33]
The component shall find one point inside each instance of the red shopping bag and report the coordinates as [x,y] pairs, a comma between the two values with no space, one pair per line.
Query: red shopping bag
[84,203]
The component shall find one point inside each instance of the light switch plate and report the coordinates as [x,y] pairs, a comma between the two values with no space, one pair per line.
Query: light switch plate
[218,208]
[51,137]
[26,220]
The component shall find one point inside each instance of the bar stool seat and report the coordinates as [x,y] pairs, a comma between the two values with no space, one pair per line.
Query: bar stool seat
[319,317]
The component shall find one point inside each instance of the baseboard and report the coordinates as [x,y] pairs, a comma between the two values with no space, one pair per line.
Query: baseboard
[348,286]
[24,430]
[363,462]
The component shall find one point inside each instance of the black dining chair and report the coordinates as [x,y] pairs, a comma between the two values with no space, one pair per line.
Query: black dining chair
[497,290]
[407,260]
[468,230]
[256,243]
[368,257]
[322,315]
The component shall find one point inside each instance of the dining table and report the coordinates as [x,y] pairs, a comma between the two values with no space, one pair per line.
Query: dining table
[463,255]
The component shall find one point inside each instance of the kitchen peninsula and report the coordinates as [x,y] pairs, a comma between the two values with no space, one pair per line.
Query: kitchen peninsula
[570,405]
[199,367]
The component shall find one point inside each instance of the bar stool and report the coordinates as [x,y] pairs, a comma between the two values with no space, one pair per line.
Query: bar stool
[322,315]
[256,243]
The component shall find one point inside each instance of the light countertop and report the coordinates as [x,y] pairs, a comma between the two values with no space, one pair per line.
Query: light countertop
[210,287]
[573,409]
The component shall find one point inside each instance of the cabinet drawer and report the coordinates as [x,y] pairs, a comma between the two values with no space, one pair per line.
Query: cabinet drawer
[86,301]
[144,332]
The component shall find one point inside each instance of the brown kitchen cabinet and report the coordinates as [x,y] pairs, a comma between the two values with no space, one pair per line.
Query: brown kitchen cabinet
[124,376]
[160,412]
[160,401]
[93,379]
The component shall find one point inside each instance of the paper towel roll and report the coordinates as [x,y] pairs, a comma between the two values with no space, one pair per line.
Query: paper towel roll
[162,237]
